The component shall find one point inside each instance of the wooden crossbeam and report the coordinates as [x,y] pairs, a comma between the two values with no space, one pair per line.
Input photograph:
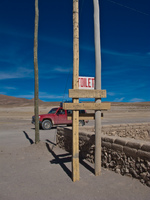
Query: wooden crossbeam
[86,116]
[86,93]
[86,106]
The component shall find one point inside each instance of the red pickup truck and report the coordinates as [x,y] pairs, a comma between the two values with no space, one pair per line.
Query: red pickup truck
[56,116]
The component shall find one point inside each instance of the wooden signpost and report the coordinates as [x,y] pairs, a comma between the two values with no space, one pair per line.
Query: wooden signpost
[83,93]
[86,106]
[75,127]
[77,93]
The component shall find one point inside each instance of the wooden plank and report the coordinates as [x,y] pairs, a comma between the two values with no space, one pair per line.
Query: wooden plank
[87,116]
[78,93]
[83,117]
[75,147]
[75,127]
[86,106]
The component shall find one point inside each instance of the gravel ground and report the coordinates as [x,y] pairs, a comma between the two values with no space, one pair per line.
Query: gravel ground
[43,171]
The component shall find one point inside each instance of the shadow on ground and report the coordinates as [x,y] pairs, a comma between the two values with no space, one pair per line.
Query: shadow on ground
[28,138]
[65,158]
[60,159]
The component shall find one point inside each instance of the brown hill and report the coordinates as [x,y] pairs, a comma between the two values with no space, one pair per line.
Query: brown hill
[146,103]
[15,101]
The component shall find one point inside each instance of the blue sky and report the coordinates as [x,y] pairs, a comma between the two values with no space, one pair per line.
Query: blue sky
[125,46]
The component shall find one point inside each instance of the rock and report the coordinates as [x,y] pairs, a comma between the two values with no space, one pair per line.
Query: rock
[137,165]
[112,164]
[133,172]
[148,183]
[126,170]
[109,158]
[142,181]
[132,165]
[117,171]
[138,159]
[129,175]
[144,175]
[148,164]
[143,167]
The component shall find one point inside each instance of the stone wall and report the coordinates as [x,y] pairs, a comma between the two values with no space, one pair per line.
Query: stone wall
[122,154]
[136,130]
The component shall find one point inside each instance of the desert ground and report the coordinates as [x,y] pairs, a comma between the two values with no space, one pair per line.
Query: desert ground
[43,171]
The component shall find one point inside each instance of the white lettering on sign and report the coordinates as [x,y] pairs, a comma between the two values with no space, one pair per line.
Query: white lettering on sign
[86,82]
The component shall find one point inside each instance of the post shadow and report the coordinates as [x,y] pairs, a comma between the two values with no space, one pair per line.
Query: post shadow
[51,142]
[88,167]
[26,135]
[60,161]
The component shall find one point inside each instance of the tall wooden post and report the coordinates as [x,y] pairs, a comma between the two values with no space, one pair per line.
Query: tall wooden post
[77,93]
[98,87]
[36,84]
[75,128]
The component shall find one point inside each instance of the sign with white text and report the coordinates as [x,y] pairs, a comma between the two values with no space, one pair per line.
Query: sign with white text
[86,82]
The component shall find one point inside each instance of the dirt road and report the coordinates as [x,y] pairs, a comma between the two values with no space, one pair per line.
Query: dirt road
[43,171]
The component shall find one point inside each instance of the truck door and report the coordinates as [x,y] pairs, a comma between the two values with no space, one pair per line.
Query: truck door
[69,113]
[61,116]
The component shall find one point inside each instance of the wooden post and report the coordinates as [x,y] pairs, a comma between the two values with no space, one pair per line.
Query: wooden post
[98,87]
[75,128]
[36,84]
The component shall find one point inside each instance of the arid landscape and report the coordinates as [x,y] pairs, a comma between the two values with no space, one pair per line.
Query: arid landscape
[13,109]
[30,171]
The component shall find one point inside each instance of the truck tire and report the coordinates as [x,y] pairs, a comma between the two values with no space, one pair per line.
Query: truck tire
[81,123]
[46,124]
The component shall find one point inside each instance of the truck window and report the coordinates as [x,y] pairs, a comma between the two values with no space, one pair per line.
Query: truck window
[52,111]
[82,111]
[69,111]
[61,112]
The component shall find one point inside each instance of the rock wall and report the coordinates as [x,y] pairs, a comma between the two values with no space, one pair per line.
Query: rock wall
[136,130]
[124,155]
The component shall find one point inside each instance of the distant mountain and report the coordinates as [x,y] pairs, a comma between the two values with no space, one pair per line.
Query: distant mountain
[146,103]
[15,101]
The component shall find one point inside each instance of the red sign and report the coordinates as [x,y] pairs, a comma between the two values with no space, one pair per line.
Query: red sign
[86,82]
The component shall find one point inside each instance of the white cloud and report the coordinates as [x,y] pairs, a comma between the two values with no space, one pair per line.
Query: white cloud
[119,99]
[10,88]
[26,96]
[4,93]
[136,100]
[63,70]
[42,96]
[111,94]
[21,72]
[13,32]
[50,97]
[131,58]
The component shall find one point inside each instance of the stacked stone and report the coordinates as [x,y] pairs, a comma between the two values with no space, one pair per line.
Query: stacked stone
[64,138]
[126,165]
[125,156]
[136,130]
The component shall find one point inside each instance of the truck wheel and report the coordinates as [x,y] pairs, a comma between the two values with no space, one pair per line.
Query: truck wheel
[81,123]
[46,125]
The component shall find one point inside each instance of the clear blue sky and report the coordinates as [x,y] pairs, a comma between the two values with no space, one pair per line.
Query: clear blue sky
[125,46]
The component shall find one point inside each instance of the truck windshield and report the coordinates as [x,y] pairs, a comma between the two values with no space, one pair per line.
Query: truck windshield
[52,111]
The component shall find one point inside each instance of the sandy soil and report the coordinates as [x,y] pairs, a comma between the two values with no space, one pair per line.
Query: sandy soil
[43,171]
[117,114]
